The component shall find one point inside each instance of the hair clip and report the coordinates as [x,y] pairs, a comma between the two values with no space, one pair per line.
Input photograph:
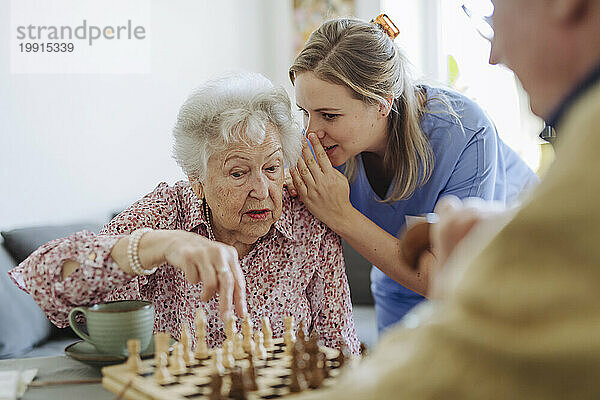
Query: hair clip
[387,25]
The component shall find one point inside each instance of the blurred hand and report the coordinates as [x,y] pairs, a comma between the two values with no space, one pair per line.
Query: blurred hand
[323,189]
[456,219]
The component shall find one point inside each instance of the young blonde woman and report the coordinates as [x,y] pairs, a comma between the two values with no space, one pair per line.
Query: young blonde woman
[387,148]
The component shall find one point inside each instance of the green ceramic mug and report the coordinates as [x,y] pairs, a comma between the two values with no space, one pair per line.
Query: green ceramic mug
[111,324]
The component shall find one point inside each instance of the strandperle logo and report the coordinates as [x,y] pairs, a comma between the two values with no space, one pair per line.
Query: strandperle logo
[84,31]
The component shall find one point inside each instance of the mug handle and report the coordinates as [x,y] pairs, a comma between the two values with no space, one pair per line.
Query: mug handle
[76,326]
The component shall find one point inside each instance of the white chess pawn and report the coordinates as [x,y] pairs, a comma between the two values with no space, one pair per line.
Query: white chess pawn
[161,344]
[289,336]
[228,360]
[177,363]
[289,326]
[200,319]
[267,333]
[238,347]
[290,340]
[161,374]
[201,351]
[248,344]
[186,340]
[134,362]
[247,326]
[259,348]
[217,361]
[230,329]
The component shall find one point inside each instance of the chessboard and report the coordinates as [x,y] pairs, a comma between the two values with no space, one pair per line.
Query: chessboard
[273,377]
[252,365]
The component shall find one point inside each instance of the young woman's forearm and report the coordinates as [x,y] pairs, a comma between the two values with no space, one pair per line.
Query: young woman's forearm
[382,250]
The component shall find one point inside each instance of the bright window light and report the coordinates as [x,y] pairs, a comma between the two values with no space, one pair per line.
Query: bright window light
[461,55]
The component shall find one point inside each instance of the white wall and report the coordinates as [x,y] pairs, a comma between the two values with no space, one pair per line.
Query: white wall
[76,147]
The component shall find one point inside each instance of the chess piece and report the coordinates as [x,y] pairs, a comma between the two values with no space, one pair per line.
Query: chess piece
[186,340]
[177,363]
[323,363]
[238,347]
[226,341]
[228,359]
[201,352]
[297,379]
[289,324]
[161,344]
[230,329]
[299,348]
[247,325]
[289,336]
[248,344]
[237,390]
[217,361]
[312,344]
[134,362]
[161,374]
[343,355]
[301,335]
[216,385]
[259,348]
[247,330]
[267,333]
[251,384]
[315,371]
[200,319]
[363,350]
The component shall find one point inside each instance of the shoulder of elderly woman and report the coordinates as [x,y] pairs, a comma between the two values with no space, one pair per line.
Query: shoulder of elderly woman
[301,220]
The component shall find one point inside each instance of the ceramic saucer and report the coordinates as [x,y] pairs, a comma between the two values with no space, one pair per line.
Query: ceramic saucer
[88,354]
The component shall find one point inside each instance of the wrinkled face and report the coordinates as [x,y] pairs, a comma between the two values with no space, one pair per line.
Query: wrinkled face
[346,126]
[244,188]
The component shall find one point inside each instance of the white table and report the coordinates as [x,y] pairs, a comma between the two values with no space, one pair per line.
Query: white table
[58,369]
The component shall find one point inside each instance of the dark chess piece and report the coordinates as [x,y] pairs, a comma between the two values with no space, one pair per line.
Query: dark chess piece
[298,349]
[297,379]
[312,345]
[216,383]
[238,388]
[315,373]
[343,356]
[301,335]
[363,350]
[323,363]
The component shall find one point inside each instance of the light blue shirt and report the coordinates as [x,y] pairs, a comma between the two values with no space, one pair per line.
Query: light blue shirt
[469,161]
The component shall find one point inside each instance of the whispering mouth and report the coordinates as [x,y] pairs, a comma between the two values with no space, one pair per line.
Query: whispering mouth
[330,147]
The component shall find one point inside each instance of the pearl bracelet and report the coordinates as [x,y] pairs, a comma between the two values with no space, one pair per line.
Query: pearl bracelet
[133,254]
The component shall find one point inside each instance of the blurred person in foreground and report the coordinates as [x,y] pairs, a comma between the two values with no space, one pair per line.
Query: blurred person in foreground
[516,314]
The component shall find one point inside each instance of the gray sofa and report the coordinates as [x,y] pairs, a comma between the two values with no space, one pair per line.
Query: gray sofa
[25,331]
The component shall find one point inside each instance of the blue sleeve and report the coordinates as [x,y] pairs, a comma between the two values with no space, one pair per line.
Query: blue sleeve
[475,172]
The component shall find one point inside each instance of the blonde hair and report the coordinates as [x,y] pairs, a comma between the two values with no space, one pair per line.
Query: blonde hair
[362,57]
[235,107]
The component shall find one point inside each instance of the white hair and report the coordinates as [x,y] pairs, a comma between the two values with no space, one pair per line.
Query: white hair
[235,107]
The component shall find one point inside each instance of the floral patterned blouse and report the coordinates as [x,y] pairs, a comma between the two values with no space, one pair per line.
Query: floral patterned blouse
[296,269]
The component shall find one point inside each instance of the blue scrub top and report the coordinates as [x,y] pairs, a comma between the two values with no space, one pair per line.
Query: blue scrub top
[469,161]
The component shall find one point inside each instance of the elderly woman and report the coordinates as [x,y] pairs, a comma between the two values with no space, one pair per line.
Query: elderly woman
[232,138]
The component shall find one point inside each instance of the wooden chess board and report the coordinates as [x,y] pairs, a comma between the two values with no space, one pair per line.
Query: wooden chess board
[272,378]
